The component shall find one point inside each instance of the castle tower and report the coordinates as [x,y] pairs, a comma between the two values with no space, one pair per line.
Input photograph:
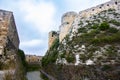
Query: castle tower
[66,22]
[52,36]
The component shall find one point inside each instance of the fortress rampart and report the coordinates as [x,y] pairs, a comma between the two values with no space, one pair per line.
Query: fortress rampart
[113,4]
[33,58]
[68,19]
[8,31]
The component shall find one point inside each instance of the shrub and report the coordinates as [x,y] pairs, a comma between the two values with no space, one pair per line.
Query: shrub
[70,58]
[82,30]
[111,9]
[83,57]
[113,30]
[62,55]
[106,67]
[111,52]
[115,22]
[22,56]
[107,39]
[33,67]
[95,26]
[55,44]
[104,26]
[51,55]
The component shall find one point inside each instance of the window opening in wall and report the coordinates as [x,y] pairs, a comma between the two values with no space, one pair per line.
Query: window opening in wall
[0,19]
[52,35]
[0,56]
[100,7]
[67,22]
[116,3]
[92,9]
[107,4]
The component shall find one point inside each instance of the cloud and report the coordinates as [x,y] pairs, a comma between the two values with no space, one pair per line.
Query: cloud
[41,14]
[79,5]
[34,19]
[35,46]
[31,43]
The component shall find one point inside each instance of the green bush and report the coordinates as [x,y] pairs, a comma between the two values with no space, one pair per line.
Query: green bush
[82,30]
[115,22]
[104,26]
[95,26]
[22,56]
[55,44]
[70,58]
[62,55]
[106,67]
[113,30]
[111,52]
[33,67]
[83,57]
[51,55]
[107,39]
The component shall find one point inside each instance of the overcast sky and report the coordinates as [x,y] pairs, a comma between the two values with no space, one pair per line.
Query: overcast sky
[35,18]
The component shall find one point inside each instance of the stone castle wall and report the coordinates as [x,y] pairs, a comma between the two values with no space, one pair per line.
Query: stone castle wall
[68,19]
[71,17]
[113,4]
[33,58]
[9,41]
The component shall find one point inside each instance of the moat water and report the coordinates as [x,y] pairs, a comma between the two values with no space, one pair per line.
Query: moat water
[34,75]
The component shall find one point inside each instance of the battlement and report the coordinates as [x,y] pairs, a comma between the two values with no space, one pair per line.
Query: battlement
[113,4]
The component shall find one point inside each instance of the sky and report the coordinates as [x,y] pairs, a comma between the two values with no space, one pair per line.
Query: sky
[36,18]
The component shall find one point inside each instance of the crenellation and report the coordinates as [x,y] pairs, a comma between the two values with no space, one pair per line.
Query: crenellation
[95,10]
